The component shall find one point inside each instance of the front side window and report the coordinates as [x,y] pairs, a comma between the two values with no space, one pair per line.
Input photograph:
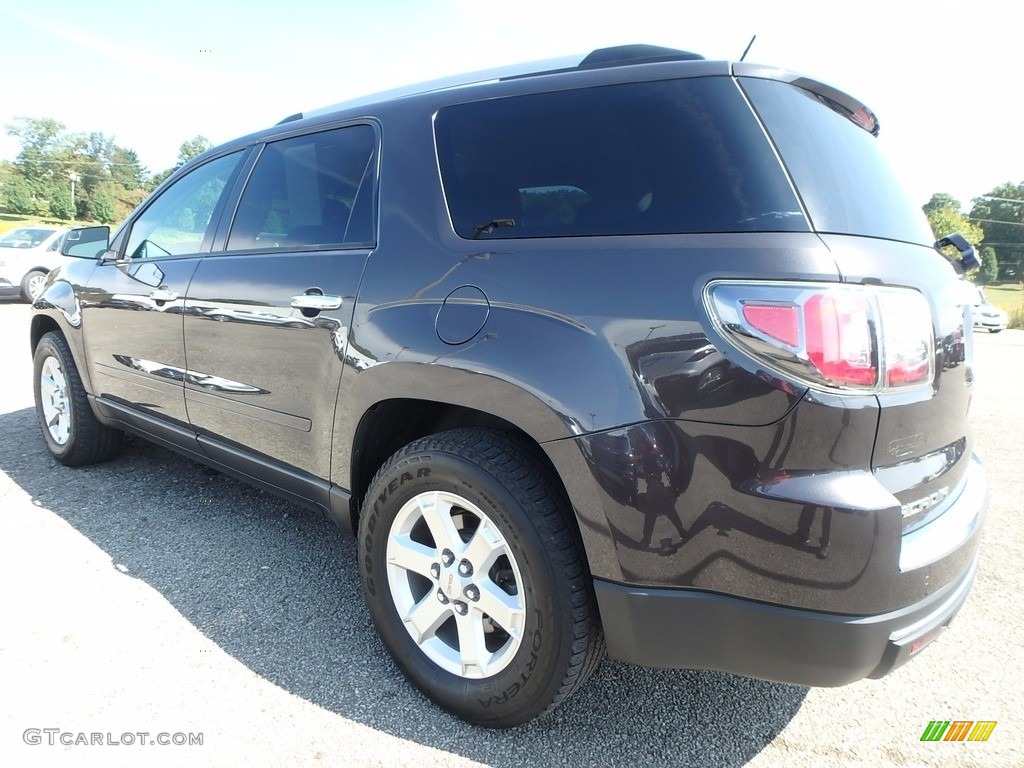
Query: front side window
[309,191]
[179,220]
[678,156]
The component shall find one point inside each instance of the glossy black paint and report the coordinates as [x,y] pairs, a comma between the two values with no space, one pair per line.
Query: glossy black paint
[688,466]
[135,350]
[239,313]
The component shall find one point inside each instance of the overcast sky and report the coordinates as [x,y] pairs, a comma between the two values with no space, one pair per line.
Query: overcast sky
[943,77]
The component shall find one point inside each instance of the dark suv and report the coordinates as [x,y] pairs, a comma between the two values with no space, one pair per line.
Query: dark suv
[640,350]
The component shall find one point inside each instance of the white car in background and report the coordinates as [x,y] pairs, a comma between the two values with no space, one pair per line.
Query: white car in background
[27,254]
[984,315]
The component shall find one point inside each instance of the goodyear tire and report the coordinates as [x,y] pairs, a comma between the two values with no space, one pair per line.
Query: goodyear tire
[71,430]
[475,579]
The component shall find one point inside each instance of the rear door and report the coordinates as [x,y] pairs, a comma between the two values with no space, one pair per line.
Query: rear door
[267,317]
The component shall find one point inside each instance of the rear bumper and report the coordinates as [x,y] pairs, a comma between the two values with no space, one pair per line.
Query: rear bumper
[688,629]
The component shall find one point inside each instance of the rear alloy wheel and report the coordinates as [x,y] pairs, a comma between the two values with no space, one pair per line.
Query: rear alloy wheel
[71,430]
[475,578]
[32,285]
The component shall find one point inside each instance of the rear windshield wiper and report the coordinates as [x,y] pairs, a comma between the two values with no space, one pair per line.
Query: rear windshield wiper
[493,224]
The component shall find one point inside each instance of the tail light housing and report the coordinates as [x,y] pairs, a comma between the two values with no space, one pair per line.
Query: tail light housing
[860,338]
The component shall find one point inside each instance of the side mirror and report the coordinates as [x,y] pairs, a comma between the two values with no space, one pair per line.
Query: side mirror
[969,260]
[86,242]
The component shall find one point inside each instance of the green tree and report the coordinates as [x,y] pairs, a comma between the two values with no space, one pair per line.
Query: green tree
[945,218]
[126,170]
[941,200]
[194,147]
[989,271]
[18,196]
[104,206]
[1000,214]
[42,143]
[61,205]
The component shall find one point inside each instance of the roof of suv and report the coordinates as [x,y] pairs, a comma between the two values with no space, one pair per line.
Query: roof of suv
[617,56]
[604,66]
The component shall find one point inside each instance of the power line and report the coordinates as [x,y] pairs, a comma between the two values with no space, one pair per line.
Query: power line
[997,221]
[74,161]
[1002,199]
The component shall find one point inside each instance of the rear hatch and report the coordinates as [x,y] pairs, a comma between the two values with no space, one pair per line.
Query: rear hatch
[878,236]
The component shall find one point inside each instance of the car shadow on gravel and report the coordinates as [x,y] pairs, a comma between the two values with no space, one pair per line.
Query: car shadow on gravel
[276,587]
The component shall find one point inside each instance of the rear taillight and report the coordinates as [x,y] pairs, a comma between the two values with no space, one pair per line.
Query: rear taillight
[863,338]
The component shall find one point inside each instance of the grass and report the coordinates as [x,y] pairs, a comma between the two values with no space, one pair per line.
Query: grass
[9,221]
[1010,298]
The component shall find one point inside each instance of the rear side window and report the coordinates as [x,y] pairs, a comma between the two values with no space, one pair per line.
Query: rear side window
[844,179]
[676,156]
[309,191]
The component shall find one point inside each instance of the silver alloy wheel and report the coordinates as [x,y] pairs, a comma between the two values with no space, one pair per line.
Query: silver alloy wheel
[455,584]
[35,285]
[53,393]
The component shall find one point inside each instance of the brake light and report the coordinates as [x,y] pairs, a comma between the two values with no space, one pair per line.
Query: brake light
[839,342]
[862,338]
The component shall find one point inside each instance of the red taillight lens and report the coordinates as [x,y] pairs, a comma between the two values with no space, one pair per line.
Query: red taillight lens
[839,338]
[780,321]
[863,338]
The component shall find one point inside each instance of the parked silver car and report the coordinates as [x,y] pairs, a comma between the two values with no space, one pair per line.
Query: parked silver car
[27,254]
[985,315]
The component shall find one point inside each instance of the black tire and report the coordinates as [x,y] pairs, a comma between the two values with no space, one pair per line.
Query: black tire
[559,643]
[26,281]
[87,441]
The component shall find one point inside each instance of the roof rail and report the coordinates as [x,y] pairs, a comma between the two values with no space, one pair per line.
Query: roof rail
[617,56]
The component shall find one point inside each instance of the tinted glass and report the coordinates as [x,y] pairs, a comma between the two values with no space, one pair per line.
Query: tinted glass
[179,220]
[664,157]
[309,191]
[844,179]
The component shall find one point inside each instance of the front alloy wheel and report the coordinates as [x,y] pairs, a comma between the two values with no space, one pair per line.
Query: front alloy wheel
[72,433]
[54,400]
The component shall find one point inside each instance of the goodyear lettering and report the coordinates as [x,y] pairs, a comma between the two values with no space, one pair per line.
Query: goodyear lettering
[397,483]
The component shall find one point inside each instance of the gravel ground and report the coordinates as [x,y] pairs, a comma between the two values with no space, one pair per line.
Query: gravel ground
[152,595]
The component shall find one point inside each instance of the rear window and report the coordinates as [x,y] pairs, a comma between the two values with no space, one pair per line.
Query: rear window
[679,156]
[844,179]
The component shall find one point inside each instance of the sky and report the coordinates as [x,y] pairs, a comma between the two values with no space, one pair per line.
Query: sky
[943,77]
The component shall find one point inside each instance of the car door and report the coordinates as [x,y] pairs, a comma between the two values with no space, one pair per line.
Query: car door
[267,317]
[132,307]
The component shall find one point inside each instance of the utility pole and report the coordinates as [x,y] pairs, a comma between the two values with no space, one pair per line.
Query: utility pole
[74,177]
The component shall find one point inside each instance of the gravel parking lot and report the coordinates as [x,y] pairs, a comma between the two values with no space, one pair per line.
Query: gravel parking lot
[151,595]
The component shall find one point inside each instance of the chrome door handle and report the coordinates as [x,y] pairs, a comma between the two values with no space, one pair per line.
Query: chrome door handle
[316,301]
[162,294]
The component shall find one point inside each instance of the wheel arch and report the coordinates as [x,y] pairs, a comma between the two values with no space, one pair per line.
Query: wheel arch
[55,317]
[378,417]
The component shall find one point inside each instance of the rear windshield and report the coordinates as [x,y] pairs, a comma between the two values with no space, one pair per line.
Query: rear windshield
[679,156]
[845,181]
